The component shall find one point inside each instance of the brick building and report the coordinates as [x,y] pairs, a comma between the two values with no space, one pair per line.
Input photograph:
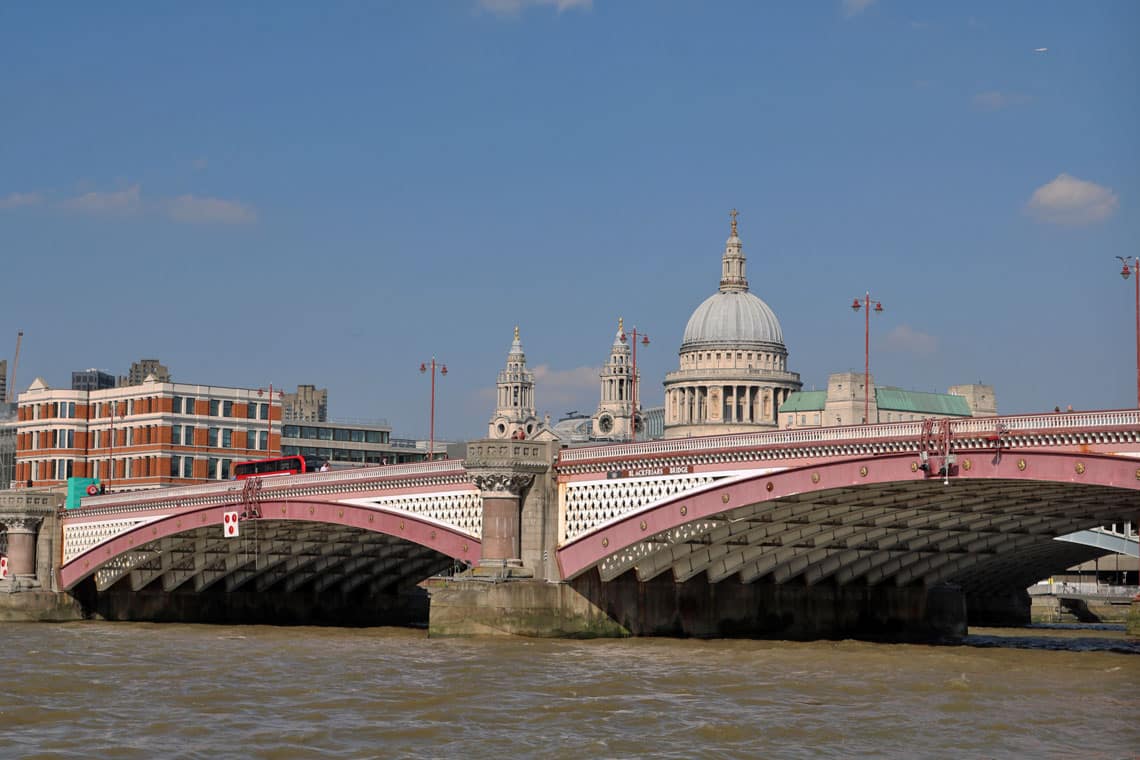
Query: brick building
[155,433]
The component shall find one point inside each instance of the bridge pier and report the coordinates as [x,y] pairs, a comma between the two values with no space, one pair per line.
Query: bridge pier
[587,608]
[513,479]
[30,540]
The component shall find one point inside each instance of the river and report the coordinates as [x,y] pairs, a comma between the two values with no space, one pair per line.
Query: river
[134,690]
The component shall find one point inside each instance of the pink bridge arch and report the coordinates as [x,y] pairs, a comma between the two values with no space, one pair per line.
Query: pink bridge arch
[872,519]
[427,544]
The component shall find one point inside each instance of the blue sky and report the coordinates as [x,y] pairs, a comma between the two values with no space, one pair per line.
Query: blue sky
[332,193]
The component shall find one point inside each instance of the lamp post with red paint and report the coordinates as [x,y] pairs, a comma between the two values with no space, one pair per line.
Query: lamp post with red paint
[878,309]
[424,366]
[1126,272]
[1129,270]
[269,418]
[633,383]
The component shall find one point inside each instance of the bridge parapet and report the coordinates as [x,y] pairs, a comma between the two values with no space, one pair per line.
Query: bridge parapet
[440,472]
[1014,431]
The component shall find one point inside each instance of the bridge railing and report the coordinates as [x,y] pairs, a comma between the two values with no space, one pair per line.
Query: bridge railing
[438,467]
[850,433]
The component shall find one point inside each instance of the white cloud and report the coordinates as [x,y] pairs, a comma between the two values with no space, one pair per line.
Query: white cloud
[195,210]
[1068,200]
[114,203]
[15,200]
[515,7]
[908,340]
[855,7]
[994,100]
[567,387]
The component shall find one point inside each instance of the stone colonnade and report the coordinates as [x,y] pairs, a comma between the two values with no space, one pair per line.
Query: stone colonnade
[697,403]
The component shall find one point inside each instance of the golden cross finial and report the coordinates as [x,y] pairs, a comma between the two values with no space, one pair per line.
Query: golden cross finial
[733,214]
[516,332]
[621,325]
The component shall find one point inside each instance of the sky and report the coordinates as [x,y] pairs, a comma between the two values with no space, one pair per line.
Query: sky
[334,193]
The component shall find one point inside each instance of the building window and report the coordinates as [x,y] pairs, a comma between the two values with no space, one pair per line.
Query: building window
[264,440]
[291,431]
[263,411]
[212,437]
[176,405]
[176,435]
[227,438]
[175,466]
[214,404]
[227,409]
[211,468]
[226,468]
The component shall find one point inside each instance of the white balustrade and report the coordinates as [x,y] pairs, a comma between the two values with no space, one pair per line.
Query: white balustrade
[1083,421]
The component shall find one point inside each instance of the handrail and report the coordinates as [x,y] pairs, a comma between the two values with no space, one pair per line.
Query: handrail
[437,467]
[874,432]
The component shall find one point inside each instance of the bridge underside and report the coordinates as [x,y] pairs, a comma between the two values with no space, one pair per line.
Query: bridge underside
[985,536]
[282,571]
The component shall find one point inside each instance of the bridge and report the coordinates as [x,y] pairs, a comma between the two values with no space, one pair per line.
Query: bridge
[699,536]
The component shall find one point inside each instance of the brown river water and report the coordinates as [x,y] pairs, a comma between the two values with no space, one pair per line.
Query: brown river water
[128,690]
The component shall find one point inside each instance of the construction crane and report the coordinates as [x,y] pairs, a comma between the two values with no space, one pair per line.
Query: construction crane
[15,363]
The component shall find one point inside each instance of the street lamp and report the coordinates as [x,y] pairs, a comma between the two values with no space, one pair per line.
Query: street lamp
[878,308]
[1130,269]
[1134,269]
[111,455]
[443,372]
[633,383]
[269,417]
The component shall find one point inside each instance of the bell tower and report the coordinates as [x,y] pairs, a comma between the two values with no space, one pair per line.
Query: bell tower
[611,420]
[515,415]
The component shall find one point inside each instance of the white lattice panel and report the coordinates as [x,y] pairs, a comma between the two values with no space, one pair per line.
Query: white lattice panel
[79,538]
[459,510]
[592,503]
[629,557]
[116,567]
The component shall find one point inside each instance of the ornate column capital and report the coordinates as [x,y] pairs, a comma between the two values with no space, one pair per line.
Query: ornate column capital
[20,523]
[503,482]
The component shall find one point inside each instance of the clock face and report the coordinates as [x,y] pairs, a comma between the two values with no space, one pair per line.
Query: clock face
[605,423]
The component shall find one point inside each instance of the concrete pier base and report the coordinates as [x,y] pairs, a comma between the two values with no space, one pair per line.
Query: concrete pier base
[38,606]
[586,607]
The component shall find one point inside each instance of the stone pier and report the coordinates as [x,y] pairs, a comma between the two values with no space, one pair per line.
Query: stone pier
[29,521]
[517,590]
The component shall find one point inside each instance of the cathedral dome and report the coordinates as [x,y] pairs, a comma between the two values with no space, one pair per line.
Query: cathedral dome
[735,317]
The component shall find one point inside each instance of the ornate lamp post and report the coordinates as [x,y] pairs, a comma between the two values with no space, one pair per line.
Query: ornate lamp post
[443,372]
[1128,270]
[878,308]
[269,418]
[111,456]
[633,384]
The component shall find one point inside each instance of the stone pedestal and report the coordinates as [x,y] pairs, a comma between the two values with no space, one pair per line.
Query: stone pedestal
[504,472]
[28,523]
[21,547]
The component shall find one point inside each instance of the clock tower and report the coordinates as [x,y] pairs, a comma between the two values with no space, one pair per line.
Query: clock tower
[515,415]
[611,420]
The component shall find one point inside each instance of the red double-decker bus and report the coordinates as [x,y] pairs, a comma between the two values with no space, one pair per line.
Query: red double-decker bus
[278,466]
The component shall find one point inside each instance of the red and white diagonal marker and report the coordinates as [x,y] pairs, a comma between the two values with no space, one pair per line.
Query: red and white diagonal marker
[230,524]
[3,567]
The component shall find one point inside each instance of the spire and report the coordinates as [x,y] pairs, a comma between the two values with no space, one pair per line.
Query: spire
[516,346]
[732,277]
[620,337]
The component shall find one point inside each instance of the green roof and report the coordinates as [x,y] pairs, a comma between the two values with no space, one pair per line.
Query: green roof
[804,401]
[916,402]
